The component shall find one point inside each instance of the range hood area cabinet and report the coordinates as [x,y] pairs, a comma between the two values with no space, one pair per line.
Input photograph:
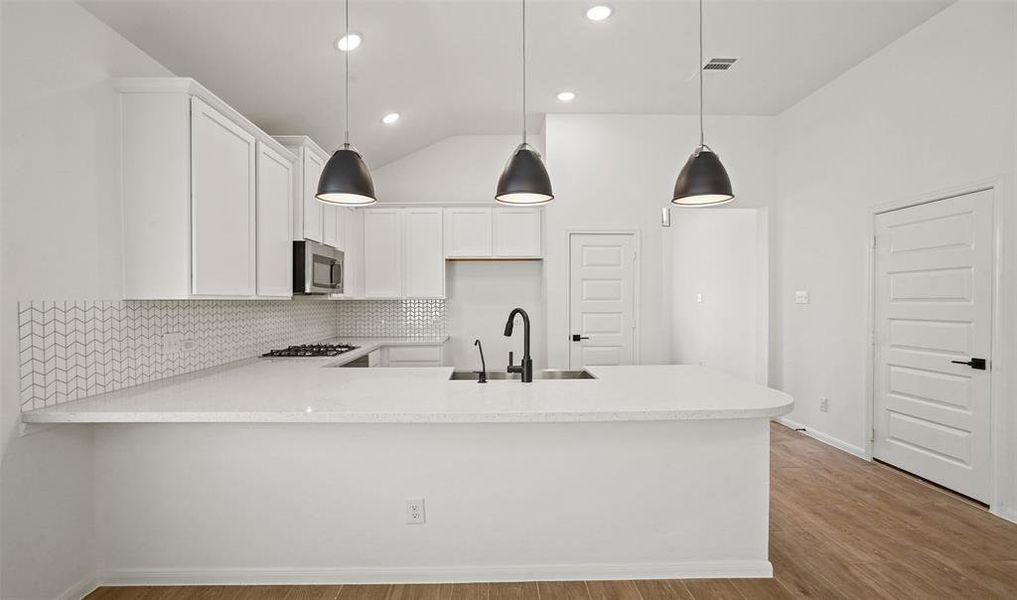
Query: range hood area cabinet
[207,196]
[312,219]
[482,232]
[403,253]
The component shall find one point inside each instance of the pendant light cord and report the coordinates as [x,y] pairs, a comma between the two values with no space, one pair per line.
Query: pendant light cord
[524,71]
[346,122]
[702,134]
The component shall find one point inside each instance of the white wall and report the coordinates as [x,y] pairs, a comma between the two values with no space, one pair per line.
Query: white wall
[616,172]
[462,168]
[932,111]
[713,253]
[61,240]
[480,297]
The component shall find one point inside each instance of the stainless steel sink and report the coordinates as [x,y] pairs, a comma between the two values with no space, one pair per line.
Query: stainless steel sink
[501,375]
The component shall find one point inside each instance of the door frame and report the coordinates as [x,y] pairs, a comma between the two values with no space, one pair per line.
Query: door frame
[998,367]
[636,237]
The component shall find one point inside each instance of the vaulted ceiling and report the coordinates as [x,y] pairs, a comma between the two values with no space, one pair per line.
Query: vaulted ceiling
[453,67]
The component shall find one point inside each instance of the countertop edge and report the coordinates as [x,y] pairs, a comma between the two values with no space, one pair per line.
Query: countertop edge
[406,418]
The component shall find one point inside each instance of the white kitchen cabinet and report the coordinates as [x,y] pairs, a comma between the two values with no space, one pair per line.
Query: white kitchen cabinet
[424,270]
[403,253]
[313,213]
[353,234]
[383,253]
[413,356]
[332,222]
[468,232]
[517,232]
[309,214]
[275,224]
[190,193]
[329,225]
[222,204]
[497,233]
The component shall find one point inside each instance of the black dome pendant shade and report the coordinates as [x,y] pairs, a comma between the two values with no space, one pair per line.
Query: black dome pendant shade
[524,181]
[703,181]
[345,179]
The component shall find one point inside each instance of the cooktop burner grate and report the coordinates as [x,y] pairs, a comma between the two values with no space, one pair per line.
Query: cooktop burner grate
[310,350]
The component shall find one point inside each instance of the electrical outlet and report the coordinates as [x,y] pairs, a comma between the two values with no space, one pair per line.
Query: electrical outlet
[802,297]
[824,404]
[699,298]
[414,511]
[172,343]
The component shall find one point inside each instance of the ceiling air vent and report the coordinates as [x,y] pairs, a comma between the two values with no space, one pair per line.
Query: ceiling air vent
[719,64]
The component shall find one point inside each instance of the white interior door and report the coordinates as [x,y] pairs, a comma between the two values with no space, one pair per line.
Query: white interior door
[933,302]
[602,299]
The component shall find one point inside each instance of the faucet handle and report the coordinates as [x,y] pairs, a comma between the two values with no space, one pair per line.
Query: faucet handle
[510,358]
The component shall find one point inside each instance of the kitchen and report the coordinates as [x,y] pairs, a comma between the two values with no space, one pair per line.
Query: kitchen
[148,441]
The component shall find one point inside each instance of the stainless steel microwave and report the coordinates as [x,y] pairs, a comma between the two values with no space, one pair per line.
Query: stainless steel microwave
[317,268]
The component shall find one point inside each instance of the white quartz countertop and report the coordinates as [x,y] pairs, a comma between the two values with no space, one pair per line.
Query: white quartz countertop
[314,391]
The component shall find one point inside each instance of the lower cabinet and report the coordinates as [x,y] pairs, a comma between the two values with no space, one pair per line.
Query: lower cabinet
[403,253]
[413,356]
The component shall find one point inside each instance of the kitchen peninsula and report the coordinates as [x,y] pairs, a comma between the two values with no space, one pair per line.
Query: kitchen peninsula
[294,471]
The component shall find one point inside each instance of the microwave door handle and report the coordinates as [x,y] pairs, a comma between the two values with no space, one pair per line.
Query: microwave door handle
[337,274]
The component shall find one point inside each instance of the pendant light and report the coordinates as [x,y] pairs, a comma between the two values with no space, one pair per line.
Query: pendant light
[524,182]
[345,181]
[703,181]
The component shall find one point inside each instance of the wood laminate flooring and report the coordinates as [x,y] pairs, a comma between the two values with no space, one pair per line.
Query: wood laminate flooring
[840,528]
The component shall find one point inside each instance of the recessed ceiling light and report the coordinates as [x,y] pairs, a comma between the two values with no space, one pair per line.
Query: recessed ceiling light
[349,43]
[390,118]
[566,96]
[599,12]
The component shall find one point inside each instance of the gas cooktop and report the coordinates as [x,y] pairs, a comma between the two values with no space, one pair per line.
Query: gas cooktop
[310,350]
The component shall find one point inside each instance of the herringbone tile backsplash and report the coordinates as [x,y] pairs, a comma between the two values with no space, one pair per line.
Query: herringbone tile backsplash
[71,350]
[392,318]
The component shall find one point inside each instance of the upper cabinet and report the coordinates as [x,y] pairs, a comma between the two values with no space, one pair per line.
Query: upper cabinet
[313,220]
[492,232]
[517,232]
[201,188]
[275,219]
[402,256]
[468,232]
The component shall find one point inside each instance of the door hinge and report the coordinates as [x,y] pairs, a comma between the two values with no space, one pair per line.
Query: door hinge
[875,242]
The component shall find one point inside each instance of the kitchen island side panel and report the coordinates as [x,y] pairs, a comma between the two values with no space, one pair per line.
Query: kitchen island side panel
[326,503]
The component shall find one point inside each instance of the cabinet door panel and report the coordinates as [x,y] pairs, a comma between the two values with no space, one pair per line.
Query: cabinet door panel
[424,264]
[468,232]
[517,232]
[353,283]
[383,253]
[222,204]
[313,208]
[329,220]
[275,250]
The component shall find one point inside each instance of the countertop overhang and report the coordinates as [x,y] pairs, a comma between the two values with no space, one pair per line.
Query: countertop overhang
[314,391]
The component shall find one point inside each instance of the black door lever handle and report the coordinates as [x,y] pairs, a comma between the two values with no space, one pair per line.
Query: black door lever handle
[576,337]
[974,363]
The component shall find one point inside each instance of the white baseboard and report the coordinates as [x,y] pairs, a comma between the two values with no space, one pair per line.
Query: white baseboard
[353,575]
[827,439]
[79,590]
[1009,515]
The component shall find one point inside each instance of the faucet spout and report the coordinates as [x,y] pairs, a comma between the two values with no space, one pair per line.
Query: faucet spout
[525,368]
